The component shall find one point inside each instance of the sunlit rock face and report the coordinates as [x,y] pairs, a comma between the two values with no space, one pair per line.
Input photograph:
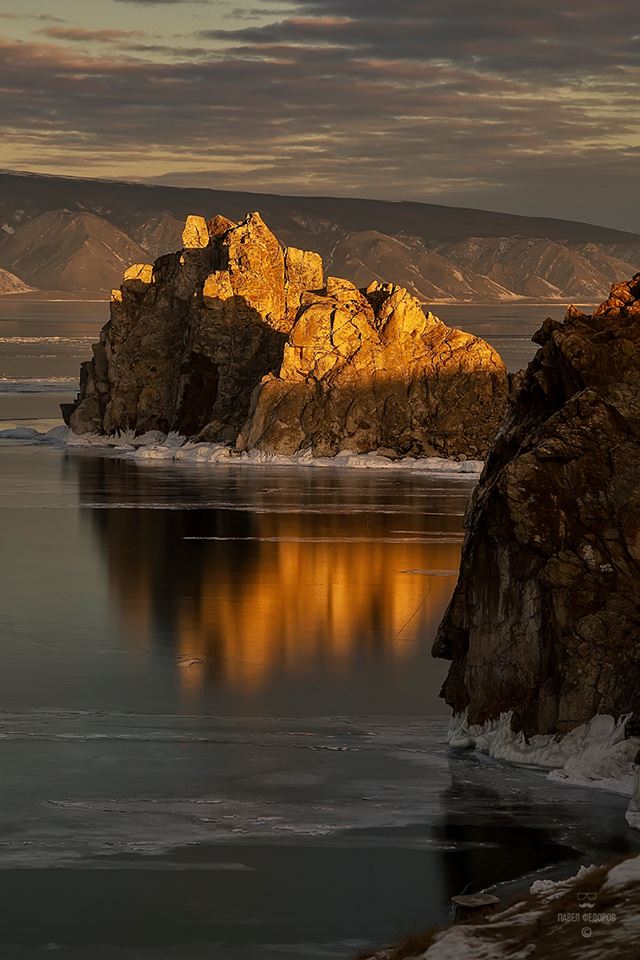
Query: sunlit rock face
[371,370]
[236,338]
[545,620]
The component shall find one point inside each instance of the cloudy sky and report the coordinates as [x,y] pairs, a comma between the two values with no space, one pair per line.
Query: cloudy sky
[527,106]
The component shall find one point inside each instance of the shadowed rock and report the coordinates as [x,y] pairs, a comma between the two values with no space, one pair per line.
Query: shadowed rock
[545,620]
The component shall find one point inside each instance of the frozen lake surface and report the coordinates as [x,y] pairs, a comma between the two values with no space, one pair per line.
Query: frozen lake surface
[220,732]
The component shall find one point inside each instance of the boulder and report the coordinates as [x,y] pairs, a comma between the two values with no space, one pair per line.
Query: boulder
[545,619]
[138,277]
[254,261]
[195,235]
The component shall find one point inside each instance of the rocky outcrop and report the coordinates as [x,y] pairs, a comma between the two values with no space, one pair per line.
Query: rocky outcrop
[191,335]
[371,370]
[545,619]
[236,338]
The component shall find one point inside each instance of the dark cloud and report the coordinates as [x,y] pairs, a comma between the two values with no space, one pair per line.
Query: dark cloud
[515,106]
[506,37]
[44,17]
[259,13]
[155,3]
[81,35]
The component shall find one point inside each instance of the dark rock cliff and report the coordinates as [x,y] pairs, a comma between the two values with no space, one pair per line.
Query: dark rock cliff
[545,619]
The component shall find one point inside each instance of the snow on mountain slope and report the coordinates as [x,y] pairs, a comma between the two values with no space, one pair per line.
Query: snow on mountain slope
[159,235]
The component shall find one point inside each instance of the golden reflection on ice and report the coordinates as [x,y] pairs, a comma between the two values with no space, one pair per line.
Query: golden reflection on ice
[307,599]
[243,598]
[306,602]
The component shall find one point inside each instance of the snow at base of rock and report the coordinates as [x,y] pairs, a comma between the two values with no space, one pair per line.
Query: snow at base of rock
[625,873]
[595,754]
[552,889]
[633,810]
[155,445]
[220,453]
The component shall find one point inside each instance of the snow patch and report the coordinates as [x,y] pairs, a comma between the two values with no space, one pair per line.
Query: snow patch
[633,810]
[125,439]
[552,889]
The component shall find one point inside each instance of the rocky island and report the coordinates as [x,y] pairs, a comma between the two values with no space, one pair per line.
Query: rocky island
[543,631]
[238,339]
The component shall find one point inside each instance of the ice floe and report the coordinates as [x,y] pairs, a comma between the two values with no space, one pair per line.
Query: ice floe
[55,435]
[37,385]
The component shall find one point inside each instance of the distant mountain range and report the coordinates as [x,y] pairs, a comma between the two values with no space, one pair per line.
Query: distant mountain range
[77,236]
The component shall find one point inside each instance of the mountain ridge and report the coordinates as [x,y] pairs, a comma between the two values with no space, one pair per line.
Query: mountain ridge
[441,254]
[623,236]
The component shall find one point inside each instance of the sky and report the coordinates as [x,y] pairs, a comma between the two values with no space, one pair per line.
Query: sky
[524,106]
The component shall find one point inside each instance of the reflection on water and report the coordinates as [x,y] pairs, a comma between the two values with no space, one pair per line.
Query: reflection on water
[214,736]
[250,576]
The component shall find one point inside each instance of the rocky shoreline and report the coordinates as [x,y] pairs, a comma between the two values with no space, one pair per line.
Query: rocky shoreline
[594,914]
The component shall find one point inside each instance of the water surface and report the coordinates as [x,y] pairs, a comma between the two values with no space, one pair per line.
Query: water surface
[220,732]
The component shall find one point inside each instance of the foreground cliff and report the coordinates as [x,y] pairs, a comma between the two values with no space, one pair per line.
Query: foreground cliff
[237,339]
[545,619]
